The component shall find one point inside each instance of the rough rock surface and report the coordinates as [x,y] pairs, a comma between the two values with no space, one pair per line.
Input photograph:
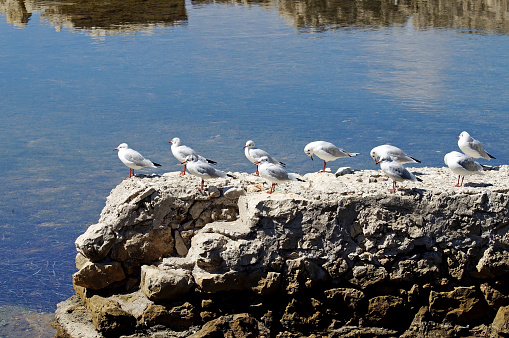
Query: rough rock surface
[335,256]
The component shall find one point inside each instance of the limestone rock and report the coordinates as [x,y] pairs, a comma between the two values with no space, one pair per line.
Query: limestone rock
[303,260]
[500,326]
[240,325]
[96,242]
[462,305]
[98,275]
[108,316]
[160,285]
[184,315]
[386,311]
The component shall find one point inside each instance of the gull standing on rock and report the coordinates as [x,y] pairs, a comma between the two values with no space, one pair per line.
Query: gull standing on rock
[181,152]
[462,165]
[274,173]
[133,159]
[254,154]
[472,147]
[393,152]
[396,172]
[326,151]
[202,169]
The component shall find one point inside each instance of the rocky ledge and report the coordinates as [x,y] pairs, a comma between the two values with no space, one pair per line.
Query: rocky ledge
[335,256]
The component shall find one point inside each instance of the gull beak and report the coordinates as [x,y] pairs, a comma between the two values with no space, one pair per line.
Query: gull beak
[311,157]
[244,147]
[376,162]
[115,149]
[256,162]
[170,142]
[457,137]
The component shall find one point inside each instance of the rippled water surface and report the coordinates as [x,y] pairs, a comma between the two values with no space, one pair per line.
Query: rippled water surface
[80,77]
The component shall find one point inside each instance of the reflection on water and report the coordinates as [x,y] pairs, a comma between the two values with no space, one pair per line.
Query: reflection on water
[130,16]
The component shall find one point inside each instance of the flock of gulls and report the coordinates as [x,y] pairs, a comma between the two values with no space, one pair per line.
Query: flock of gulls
[390,158]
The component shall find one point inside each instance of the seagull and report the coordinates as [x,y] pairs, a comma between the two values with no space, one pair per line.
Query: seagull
[133,159]
[472,147]
[181,152]
[393,152]
[254,154]
[274,173]
[396,172]
[326,151]
[462,165]
[202,169]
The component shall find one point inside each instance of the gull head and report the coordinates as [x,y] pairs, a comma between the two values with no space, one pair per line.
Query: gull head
[308,150]
[465,135]
[190,158]
[122,146]
[249,144]
[374,155]
[175,141]
[263,159]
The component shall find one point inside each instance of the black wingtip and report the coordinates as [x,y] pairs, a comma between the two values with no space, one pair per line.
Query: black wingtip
[416,160]
[300,179]
[211,162]
[230,175]
[156,164]
[493,157]
[418,179]
[282,164]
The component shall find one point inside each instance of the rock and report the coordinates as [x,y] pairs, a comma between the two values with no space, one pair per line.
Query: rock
[493,297]
[178,317]
[180,246]
[500,325]
[240,325]
[303,315]
[343,171]
[96,242]
[346,303]
[386,311]
[108,317]
[494,262]
[160,285]
[368,274]
[98,275]
[144,244]
[303,261]
[462,305]
[73,318]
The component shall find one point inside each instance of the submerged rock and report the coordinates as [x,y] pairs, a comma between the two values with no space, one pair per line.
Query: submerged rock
[334,256]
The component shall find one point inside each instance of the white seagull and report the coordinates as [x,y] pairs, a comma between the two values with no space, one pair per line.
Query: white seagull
[254,154]
[181,152]
[133,159]
[274,173]
[396,172]
[393,152]
[202,169]
[326,151]
[472,147]
[462,165]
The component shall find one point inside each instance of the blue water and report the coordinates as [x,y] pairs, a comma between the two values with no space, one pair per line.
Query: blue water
[222,75]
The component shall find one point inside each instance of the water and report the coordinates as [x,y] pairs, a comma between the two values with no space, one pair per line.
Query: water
[78,78]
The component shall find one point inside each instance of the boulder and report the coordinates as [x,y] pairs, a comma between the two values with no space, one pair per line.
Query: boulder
[98,275]
[160,285]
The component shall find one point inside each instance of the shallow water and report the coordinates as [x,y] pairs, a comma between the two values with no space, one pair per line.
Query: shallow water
[80,77]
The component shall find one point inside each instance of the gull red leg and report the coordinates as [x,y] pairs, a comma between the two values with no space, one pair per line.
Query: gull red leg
[257,173]
[324,165]
[272,189]
[393,190]
[458,184]
[202,183]
[183,172]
